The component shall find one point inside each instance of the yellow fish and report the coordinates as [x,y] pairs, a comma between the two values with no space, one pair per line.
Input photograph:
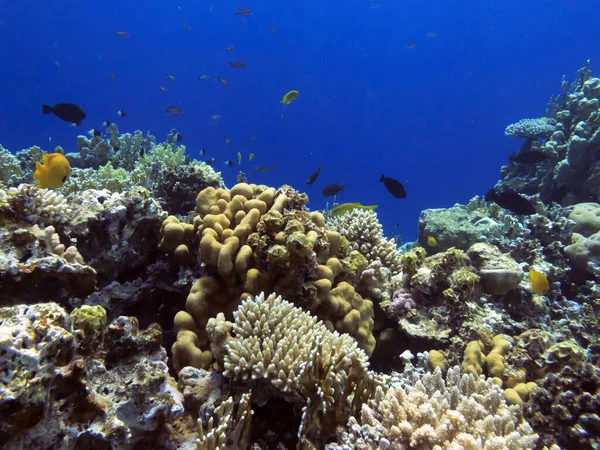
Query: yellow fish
[251,157]
[539,282]
[239,158]
[52,172]
[431,241]
[347,207]
[289,97]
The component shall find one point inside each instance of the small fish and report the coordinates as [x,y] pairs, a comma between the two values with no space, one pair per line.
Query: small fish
[529,157]
[250,157]
[163,89]
[239,156]
[215,116]
[431,241]
[121,33]
[433,34]
[175,110]
[229,49]
[178,137]
[410,45]
[394,187]
[121,113]
[107,123]
[289,97]
[65,111]
[237,64]
[202,151]
[281,115]
[333,189]
[111,77]
[169,76]
[186,25]
[245,12]
[347,207]
[253,136]
[226,139]
[271,29]
[512,201]
[94,132]
[229,163]
[223,81]
[313,176]
[264,169]
[211,161]
[52,172]
[539,282]
[58,63]
[203,77]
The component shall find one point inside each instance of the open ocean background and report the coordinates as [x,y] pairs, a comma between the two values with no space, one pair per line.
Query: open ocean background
[432,117]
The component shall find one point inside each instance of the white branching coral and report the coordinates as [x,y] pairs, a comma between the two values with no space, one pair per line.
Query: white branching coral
[365,234]
[322,371]
[42,206]
[227,427]
[460,412]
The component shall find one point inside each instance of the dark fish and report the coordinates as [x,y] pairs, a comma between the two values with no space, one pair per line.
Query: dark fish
[223,81]
[226,139]
[178,137]
[106,123]
[394,187]
[121,33]
[243,12]
[163,89]
[512,201]
[211,161]
[169,76]
[96,133]
[229,163]
[271,29]
[314,176]
[175,110]
[186,25]
[237,64]
[203,77]
[65,111]
[121,113]
[410,45]
[229,49]
[433,34]
[202,151]
[529,157]
[111,77]
[264,169]
[333,189]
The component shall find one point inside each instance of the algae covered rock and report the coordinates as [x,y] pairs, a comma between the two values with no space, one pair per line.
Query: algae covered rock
[499,273]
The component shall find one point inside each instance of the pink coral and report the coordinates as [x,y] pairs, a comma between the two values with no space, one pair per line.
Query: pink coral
[402,303]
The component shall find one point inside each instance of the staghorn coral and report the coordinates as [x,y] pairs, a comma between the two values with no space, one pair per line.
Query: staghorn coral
[365,234]
[276,343]
[28,204]
[227,426]
[439,413]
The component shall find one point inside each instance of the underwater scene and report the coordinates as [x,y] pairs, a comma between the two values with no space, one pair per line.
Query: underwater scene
[266,225]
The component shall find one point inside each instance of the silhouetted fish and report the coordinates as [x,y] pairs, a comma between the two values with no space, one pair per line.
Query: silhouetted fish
[237,65]
[529,157]
[223,81]
[175,110]
[394,187]
[243,12]
[314,176]
[333,189]
[65,111]
[512,201]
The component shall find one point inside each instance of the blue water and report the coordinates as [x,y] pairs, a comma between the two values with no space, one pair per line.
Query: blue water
[433,117]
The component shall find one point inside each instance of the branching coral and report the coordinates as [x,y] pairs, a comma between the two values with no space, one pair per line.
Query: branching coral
[531,128]
[436,413]
[310,366]
[365,234]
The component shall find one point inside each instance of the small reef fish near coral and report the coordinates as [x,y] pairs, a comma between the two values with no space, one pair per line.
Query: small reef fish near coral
[145,302]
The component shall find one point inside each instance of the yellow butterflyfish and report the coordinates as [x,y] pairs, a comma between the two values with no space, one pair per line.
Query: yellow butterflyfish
[52,172]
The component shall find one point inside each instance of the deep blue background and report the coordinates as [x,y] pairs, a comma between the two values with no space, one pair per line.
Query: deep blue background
[432,117]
